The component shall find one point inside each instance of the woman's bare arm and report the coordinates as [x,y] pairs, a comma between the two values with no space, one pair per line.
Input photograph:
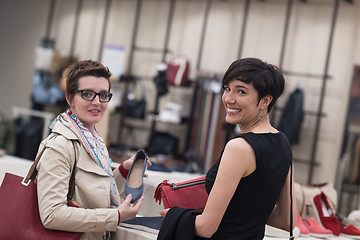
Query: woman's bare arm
[232,168]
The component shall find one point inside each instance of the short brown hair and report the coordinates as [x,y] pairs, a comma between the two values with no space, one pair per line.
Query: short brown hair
[81,69]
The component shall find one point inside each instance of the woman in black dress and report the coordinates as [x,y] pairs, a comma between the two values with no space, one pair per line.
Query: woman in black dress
[249,186]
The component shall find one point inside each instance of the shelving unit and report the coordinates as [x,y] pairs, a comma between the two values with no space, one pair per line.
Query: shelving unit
[319,114]
[131,76]
[135,48]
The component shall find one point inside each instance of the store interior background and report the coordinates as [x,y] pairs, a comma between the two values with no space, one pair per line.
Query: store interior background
[23,24]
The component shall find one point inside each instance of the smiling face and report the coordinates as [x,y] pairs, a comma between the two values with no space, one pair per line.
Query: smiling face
[89,112]
[241,103]
[266,78]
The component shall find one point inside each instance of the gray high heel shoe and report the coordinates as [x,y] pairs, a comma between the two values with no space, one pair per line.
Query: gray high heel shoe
[135,181]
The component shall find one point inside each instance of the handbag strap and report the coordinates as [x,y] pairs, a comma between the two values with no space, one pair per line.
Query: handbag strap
[291,203]
[72,178]
[31,175]
[32,171]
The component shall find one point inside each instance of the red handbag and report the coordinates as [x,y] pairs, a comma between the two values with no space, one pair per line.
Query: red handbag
[20,218]
[177,70]
[189,194]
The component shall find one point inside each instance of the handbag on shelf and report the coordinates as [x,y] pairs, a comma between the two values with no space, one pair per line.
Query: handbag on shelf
[177,70]
[305,194]
[162,143]
[135,108]
[189,194]
[20,218]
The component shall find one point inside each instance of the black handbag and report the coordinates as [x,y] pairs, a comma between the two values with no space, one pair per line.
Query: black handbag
[134,108]
[162,143]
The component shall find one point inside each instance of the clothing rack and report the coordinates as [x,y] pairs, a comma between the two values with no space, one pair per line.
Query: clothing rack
[205,140]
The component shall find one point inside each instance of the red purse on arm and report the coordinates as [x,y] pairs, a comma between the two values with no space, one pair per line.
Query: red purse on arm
[20,218]
[189,194]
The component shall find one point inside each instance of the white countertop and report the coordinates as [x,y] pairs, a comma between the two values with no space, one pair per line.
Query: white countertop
[14,165]
[19,166]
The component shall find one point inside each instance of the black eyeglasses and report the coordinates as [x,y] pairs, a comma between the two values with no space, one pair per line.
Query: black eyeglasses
[89,95]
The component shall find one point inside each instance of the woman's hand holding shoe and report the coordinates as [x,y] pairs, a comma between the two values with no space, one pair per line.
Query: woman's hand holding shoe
[127,163]
[127,210]
[135,178]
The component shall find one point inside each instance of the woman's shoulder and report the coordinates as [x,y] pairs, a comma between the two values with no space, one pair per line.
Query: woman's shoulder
[58,142]
[249,141]
[238,144]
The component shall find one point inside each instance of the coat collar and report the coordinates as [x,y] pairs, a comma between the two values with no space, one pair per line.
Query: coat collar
[63,130]
[83,163]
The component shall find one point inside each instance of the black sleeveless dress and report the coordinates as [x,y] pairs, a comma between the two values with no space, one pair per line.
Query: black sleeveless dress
[256,194]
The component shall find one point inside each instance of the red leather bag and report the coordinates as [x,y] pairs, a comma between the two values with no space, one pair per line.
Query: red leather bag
[189,194]
[19,210]
[177,70]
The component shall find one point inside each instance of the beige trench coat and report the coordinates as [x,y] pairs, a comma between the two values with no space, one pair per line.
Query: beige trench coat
[92,187]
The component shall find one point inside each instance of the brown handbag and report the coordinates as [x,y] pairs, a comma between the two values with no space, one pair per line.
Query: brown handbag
[19,208]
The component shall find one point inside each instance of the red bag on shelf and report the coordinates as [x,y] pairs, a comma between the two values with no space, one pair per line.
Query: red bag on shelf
[177,70]
[189,194]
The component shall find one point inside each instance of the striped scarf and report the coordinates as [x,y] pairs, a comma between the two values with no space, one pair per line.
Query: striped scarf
[96,148]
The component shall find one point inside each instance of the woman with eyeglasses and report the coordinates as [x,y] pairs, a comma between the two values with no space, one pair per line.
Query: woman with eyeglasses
[75,146]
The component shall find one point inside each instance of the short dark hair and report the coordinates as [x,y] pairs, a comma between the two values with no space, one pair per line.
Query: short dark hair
[81,69]
[266,78]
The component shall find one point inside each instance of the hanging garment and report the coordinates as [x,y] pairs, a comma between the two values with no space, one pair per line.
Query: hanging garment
[293,116]
[355,161]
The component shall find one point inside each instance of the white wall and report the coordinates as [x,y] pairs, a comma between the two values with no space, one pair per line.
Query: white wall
[305,52]
[22,24]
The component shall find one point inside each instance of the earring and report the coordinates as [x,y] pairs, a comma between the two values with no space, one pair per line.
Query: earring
[261,116]
[69,110]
